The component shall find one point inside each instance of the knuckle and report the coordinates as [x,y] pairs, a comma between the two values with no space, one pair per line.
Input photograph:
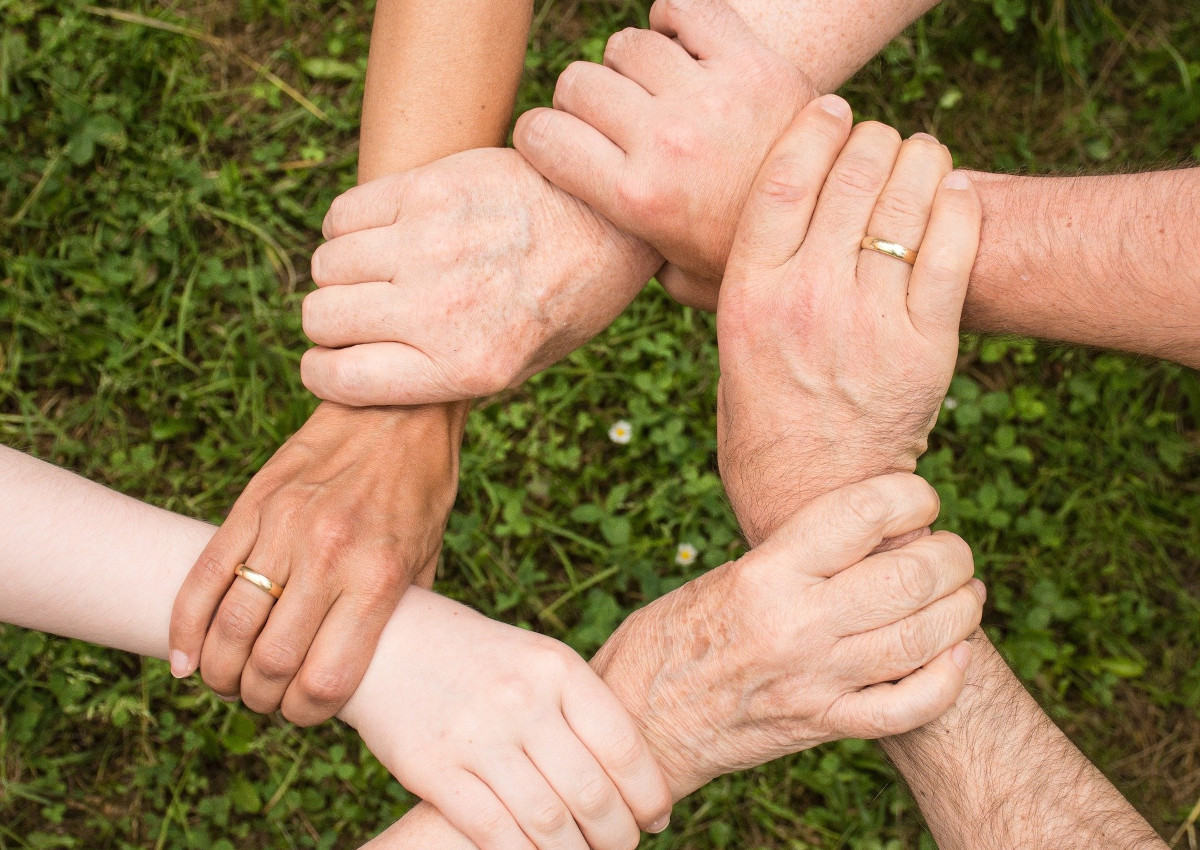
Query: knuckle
[568,82]
[637,194]
[326,687]
[492,825]
[901,206]
[596,798]
[275,662]
[236,622]
[332,534]
[625,751]
[866,506]
[213,570]
[620,42]
[550,817]
[784,180]
[912,642]
[857,175]
[915,576]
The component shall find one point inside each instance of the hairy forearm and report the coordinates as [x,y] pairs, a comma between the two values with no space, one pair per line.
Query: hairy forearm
[995,772]
[1104,261]
[829,39]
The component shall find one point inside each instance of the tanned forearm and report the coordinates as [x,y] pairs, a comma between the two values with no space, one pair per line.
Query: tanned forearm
[1103,261]
[995,773]
[441,78]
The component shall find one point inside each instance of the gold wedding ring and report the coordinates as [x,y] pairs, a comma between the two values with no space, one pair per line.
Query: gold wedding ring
[259,580]
[891,249]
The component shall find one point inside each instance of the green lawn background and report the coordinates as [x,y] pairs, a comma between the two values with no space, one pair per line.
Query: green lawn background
[159,198]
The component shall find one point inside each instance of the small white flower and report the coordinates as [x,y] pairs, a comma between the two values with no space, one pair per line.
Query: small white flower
[685,555]
[950,403]
[621,432]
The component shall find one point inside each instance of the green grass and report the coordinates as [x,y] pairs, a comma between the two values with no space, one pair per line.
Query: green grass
[158,201]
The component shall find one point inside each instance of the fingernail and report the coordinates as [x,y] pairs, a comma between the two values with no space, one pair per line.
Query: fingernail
[957,180]
[925,137]
[659,825]
[181,668]
[224,698]
[980,588]
[961,655]
[835,106]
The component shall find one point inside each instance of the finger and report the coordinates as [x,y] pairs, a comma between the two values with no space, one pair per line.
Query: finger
[890,586]
[893,652]
[650,59]
[706,28]
[917,699]
[687,290]
[337,659]
[363,256]
[205,586]
[776,216]
[475,811]
[537,809]
[594,801]
[939,281]
[239,620]
[572,155]
[338,316]
[603,99]
[843,526]
[599,720]
[379,373]
[850,194]
[374,204]
[279,651]
[902,214]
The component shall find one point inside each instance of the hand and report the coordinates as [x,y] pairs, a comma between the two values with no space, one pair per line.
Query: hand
[666,137]
[345,516]
[805,639]
[798,642]
[458,280]
[508,733]
[835,359]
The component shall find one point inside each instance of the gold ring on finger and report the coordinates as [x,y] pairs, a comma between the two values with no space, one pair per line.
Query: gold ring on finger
[890,249]
[259,580]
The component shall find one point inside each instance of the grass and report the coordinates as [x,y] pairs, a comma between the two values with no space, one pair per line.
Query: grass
[161,189]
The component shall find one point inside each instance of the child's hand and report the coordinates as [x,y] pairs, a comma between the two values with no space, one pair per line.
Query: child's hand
[665,138]
[508,733]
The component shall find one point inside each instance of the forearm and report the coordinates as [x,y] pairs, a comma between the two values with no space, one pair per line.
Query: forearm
[830,40]
[1103,261]
[995,772]
[441,78]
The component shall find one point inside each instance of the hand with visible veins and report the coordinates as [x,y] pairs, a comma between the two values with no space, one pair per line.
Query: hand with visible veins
[665,138]
[835,359]
[806,639]
[345,516]
[458,280]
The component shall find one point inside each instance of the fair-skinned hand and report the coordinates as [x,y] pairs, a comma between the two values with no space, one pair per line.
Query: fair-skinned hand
[666,137]
[835,359]
[346,515]
[458,280]
[509,733]
[806,639]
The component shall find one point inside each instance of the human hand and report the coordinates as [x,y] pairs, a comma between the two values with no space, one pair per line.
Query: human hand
[345,516]
[806,639]
[458,280]
[508,733]
[666,137]
[835,359]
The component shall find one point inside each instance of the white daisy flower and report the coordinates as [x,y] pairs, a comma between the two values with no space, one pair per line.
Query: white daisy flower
[950,403]
[621,432]
[686,554]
